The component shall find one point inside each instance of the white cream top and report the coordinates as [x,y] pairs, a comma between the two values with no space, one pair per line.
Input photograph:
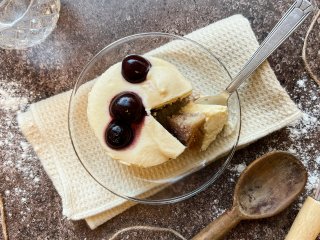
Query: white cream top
[153,144]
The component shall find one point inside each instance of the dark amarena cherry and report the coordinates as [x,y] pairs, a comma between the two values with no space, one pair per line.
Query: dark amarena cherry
[135,68]
[127,107]
[118,134]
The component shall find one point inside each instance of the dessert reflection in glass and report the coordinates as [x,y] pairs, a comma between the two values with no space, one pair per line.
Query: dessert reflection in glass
[142,113]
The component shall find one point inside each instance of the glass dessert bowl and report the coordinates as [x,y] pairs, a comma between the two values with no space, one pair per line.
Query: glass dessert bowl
[173,180]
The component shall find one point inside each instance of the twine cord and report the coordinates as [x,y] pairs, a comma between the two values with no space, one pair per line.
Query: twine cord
[3,220]
[304,49]
[317,195]
[148,228]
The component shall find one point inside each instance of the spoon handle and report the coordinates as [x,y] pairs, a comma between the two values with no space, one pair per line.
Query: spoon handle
[306,226]
[220,227]
[287,24]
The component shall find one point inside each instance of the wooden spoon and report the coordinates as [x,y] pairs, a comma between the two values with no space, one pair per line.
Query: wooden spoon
[265,188]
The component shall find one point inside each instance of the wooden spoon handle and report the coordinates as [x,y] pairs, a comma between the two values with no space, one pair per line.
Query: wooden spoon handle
[306,226]
[219,227]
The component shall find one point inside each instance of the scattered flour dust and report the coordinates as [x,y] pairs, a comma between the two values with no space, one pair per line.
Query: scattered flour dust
[307,94]
[302,133]
[19,159]
[10,99]
[238,168]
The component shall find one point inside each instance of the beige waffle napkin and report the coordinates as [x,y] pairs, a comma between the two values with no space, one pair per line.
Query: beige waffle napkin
[266,107]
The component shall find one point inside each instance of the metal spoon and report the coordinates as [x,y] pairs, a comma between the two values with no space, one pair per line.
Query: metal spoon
[296,14]
[265,188]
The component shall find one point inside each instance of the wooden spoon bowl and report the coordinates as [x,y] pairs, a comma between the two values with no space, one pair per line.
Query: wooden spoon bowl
[266,187]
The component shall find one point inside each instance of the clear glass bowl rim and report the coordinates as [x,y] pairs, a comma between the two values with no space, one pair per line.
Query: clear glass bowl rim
[176,199]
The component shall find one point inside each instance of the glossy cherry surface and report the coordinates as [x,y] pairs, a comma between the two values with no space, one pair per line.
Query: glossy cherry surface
[118,134]
[135,68]
[127,107]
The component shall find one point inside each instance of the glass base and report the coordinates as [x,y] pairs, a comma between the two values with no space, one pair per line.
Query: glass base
[34,27]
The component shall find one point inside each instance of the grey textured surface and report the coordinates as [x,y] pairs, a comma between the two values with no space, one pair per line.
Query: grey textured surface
[33,207]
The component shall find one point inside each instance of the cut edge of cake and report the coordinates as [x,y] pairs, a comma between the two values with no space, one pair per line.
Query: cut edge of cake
[198,125]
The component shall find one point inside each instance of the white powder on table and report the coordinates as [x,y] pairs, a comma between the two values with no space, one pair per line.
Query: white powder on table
[18,158]
[301,134]
[238,168]
[302,83]
[10,99]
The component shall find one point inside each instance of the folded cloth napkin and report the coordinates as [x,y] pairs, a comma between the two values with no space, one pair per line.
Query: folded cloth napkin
[266,107]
